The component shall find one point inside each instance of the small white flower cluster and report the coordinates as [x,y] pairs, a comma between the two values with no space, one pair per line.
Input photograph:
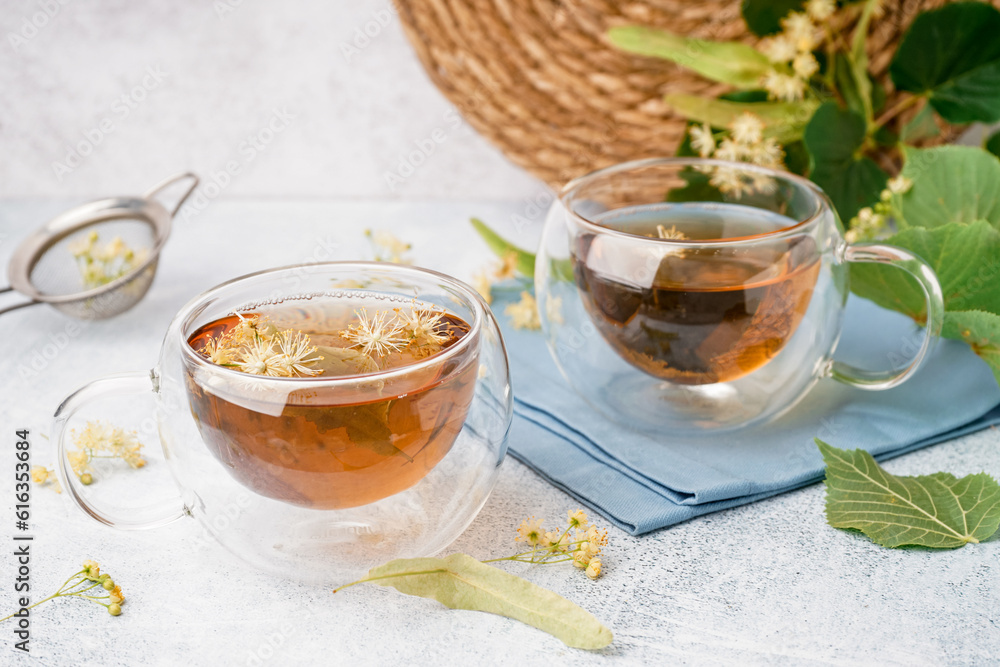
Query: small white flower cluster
[380,334]
[872,221]
[387,247]
[791,51]
[523,314]
[745,143]
[257,347]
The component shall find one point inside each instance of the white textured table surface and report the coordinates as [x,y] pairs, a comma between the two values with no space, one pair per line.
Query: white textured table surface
[768,583]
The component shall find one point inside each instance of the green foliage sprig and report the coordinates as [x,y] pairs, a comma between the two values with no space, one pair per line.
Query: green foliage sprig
[808,85]
[809,82]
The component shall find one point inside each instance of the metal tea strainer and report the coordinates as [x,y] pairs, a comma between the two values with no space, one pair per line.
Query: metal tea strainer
[45,270]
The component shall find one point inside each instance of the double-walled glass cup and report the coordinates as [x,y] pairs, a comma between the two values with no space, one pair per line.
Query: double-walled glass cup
[689,294]
[316,478]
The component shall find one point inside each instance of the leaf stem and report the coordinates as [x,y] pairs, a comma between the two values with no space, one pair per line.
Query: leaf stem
[901,106]
[64,592]
[387,576]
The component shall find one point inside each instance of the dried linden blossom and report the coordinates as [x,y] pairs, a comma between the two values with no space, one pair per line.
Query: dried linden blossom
[42,476]
[256,347]
[100,265]
[523,314]
[505,269]
[82,585]
[387,247]
[579,543]
[461,582]
[418,331]
[98,440]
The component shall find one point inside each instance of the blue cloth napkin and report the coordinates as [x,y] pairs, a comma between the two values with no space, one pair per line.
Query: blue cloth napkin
[641,484]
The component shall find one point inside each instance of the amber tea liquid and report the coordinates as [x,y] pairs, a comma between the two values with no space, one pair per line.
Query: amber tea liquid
[334,447]
[700,315]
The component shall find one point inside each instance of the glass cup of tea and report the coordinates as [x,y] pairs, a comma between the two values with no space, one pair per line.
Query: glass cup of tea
[318,420]
[685,294]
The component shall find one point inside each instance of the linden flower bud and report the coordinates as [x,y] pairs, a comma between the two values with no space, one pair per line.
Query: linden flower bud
[556,539]
[778,49]
[108,585]
[805,65]
[784,87]
[702,140]
[747,129]
[577,519]
[899,185]
[594,568]
[530,531]
[594,536]
[114,609]
[86,479]
[801,30]
[820,9]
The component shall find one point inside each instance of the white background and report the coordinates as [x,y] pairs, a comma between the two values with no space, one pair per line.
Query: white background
[228,65]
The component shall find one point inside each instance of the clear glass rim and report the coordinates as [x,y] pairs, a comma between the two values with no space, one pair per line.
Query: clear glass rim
[572,188]
[474,301]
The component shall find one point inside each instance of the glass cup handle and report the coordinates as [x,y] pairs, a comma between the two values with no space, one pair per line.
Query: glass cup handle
[124,384]
[925,276]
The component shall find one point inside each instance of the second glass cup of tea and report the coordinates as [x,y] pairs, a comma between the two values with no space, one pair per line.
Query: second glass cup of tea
[318,420]
[691,294]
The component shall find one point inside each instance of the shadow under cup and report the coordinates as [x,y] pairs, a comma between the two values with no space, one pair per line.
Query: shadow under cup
[668,297]
[323,445]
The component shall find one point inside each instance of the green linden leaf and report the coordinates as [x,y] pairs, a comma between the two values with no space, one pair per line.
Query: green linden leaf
[981,330]
[763,17]
[834,137]
[993,144]
[950,184]
[733,63]
[952,54]
[785,121]
[525,259]
[462,582]
[938,511]
[966,259]
[921,126]
[857,62]
[848,84]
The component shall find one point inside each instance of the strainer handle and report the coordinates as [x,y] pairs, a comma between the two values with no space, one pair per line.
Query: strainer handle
[125,384]
[166,183]
[16,306]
